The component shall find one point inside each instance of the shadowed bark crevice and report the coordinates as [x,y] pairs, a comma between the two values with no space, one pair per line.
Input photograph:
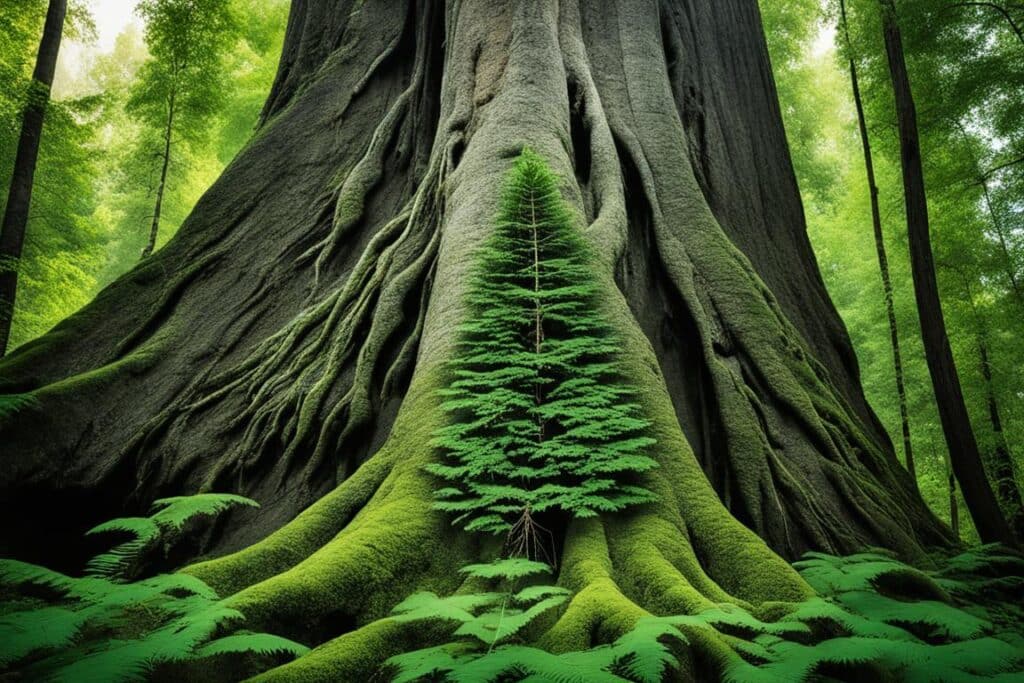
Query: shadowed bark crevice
[675,338]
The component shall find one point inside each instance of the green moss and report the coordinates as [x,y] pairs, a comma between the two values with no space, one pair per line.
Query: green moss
[711,548]
[347,556]
[357,655]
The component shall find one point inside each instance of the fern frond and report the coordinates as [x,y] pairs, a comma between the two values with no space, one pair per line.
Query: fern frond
[11,404]
[508,569]
[257,643]
[173,513]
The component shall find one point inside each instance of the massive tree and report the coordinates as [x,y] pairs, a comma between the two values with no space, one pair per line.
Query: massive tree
[288,343]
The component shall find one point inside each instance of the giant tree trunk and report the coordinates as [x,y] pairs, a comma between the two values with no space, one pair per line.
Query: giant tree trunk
[287,342]
[956,424]
[19,198]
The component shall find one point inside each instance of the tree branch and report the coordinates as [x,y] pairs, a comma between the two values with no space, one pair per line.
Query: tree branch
[998,8]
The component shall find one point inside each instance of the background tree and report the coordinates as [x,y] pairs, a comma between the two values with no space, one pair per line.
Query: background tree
[181,87]
[93,184]
[63,245]
[964,65]
[19,198]
[883,258]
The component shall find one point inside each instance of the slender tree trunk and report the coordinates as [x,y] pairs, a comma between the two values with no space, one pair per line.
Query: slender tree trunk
[19,199]
[162,185]
[997,224]
[883,259]
[956,424]
[954,511]
[1000,461]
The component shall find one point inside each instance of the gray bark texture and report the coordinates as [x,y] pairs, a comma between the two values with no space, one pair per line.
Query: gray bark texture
[268,347]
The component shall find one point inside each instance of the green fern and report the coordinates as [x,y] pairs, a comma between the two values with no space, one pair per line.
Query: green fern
[98,628]
[641,656]
[509,569]
[10,404]
[852,629]
[173,513]
[169,516]
[539,419]
[488,618]
[257,643]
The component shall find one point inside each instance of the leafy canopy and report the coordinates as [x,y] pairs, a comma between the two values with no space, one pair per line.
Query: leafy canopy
[187,42]
[539,417]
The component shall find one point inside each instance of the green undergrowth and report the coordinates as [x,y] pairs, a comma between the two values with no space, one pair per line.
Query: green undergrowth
[115,625]
[10,404]
[875,618]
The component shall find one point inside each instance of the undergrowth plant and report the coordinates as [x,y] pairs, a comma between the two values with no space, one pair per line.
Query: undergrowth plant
[875,618]
[540,419]
[102,627]
[169,517]
[10,404]
[488,621]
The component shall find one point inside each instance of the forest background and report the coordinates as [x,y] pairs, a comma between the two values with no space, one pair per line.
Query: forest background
[103,149]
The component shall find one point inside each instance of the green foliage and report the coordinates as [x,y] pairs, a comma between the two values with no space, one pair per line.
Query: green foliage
[169,517]
[869,623]
[539,417]
[62,243]
[508,569]
[184,77]
[258,643]
[94,628]
[487,621]
[10,404]
[490,618]
[640,655]
[93,197]
[966,66]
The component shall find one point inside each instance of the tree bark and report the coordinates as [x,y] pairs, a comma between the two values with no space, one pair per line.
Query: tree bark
[883,259]
[1008,259]
[956,424]
[954,511]
[19,198]
[154,228]
[1001,463]
[289,342]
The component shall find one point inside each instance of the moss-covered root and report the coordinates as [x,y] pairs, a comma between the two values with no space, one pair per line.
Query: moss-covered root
[599,612]
[357,655]
[309,532]
[393,547]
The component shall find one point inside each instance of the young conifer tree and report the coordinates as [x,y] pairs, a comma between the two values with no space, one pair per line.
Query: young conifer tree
[539,419]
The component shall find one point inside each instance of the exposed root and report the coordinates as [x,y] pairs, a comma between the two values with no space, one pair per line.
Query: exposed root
[311,530]
[370,168]
[357,655]
[529,539]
